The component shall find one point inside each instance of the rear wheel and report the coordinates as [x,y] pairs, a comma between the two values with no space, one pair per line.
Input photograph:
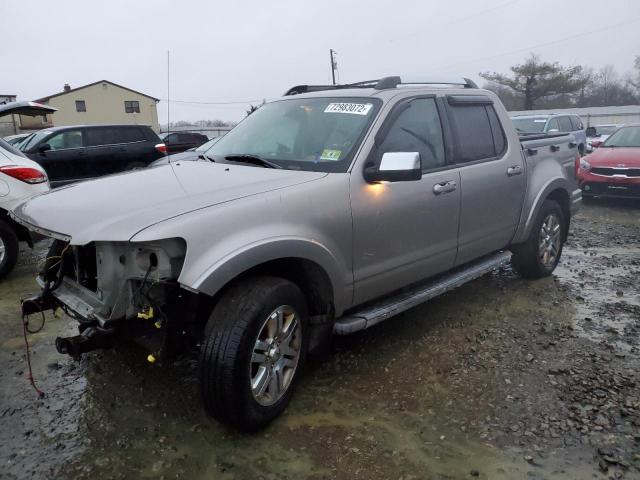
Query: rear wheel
[254,347]
[8,249]
[540,254]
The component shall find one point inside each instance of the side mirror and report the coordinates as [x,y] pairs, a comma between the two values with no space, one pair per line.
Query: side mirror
[395,167]
[591,132]
[44,148]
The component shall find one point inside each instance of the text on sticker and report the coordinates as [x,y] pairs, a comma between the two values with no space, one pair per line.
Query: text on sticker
[355,108]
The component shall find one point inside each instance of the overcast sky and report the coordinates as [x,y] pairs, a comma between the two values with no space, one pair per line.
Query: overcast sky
[249,50]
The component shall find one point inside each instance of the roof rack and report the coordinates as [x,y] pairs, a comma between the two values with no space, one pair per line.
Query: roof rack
[384,84]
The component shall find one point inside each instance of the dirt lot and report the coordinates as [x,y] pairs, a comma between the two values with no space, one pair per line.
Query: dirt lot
[503,378]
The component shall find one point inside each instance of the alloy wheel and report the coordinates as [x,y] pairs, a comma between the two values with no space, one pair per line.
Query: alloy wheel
[550,241]
[275,355]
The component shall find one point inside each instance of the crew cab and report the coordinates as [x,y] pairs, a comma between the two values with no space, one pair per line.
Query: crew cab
[324,212]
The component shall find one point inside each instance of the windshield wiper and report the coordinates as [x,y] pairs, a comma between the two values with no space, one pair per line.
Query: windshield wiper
[202,156]
[254,159]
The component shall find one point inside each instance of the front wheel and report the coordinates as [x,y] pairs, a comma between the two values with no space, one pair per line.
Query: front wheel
[253,350]
[540,254]
[8,249]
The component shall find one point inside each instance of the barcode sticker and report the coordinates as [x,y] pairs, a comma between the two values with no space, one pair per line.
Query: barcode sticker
[353,108]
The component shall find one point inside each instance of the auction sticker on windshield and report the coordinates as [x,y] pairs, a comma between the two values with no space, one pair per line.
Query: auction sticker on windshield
[353,108]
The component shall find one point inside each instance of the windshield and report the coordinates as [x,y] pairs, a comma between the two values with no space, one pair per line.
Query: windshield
[34,139]
[529,125]
[606,129]
[625,137]
[10,148]
[314,134]
[206,146]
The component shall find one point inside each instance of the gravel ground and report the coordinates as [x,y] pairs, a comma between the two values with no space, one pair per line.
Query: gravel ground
[502,378]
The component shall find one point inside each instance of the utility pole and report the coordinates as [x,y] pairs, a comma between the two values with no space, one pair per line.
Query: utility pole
[168,98]
[334,65]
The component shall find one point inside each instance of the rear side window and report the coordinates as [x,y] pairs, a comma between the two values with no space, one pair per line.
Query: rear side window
[565,124]
[132,134]
[576,123]
[478,131]
[417,129]
[102,136]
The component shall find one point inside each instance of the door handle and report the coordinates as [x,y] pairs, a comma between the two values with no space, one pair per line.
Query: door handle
[444,187]
[554,148]
[514,170]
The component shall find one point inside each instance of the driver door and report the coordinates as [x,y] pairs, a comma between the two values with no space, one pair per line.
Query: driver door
[406,231]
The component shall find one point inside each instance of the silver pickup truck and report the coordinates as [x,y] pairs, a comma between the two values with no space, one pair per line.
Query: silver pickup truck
[324,212]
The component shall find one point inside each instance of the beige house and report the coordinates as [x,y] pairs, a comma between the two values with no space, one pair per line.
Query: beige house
[101,102]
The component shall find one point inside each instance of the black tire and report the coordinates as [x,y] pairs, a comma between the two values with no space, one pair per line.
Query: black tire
[526,259]
[9,240]
[229,339]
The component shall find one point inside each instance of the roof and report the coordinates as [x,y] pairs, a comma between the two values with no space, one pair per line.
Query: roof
[44,99]
[385,94]
[69,127]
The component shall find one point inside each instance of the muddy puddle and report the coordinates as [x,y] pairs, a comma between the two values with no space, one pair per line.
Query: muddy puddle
[484,382]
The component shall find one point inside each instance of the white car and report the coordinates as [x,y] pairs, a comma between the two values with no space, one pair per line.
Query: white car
[20,178]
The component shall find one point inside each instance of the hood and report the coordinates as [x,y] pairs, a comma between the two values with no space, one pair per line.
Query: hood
[189,155]
[615,157]
[116,207]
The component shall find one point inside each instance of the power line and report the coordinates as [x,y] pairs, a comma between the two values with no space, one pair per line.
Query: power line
[439,26]
[241,102]
[540,45]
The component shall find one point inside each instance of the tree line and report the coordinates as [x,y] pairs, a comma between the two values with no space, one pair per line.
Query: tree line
[537,84]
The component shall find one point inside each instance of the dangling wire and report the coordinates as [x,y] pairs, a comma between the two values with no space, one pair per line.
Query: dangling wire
[25,329]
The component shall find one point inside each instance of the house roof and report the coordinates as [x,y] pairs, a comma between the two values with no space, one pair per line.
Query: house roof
[44,99]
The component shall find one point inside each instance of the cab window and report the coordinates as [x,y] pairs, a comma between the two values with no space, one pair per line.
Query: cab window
[417,129]
[565,124]
[65,140]
[553,125]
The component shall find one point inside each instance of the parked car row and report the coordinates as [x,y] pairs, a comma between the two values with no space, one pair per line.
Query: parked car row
[552,123]
[613,169]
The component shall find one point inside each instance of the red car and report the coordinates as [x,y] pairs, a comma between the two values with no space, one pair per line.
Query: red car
[613,169]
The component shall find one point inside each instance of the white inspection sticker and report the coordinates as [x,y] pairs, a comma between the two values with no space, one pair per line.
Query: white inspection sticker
[355,108]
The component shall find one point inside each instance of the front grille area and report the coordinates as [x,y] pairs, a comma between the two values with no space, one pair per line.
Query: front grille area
[611,190]
[80,265]
[610,171]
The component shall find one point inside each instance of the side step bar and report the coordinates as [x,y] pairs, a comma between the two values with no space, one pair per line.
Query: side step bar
[409,298]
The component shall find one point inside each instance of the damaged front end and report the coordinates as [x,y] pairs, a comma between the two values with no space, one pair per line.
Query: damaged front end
[116,289]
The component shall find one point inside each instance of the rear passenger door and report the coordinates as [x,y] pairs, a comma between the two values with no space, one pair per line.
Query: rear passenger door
[492,177]
[133,150]
[101,150]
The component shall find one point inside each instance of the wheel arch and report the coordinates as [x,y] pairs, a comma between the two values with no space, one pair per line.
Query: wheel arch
[21,232]
[556,189]
[308,264]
